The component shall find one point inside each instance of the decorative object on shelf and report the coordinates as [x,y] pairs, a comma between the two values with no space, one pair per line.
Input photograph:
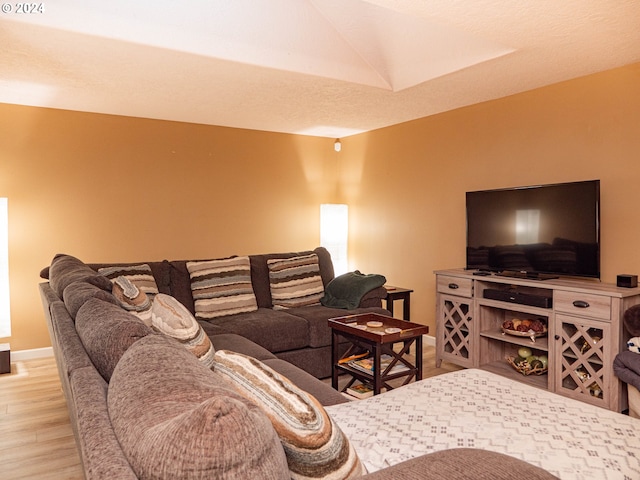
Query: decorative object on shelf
[525,328]
[582,374]
[525,368]
[595,390]
[586,345]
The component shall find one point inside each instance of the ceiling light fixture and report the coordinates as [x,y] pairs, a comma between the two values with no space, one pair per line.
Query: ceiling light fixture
[337,146]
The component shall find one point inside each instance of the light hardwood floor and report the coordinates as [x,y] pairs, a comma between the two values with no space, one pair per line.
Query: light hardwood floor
[36,439]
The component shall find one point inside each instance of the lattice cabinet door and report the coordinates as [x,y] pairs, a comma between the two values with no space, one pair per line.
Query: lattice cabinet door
[454,331]
[583,353]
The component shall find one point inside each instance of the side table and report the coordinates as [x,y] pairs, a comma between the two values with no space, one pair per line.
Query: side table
[378,339]
[398,293]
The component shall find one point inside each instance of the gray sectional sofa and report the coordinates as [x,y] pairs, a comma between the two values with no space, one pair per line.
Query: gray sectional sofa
[298,335]
[143,406]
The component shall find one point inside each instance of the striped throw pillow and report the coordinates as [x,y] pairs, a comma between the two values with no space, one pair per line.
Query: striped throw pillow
[222,287]
[295,281]
[132,299]
[170,317]
[140,275]
[314,445]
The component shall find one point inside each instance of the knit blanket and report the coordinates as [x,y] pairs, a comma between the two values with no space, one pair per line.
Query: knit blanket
[626,366]
[346,291]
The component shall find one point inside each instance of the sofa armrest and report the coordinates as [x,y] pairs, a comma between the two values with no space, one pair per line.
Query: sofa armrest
[373,298]
[462,464]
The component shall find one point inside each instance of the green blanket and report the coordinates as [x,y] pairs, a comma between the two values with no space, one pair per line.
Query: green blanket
[346,291]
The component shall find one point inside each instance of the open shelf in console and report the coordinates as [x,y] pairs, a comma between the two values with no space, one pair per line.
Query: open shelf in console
[496,345]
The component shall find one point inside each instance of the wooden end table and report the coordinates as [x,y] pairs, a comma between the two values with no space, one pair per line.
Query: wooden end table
[398,293]
[378,341]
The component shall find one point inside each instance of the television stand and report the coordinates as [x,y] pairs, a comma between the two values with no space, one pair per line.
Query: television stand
[527,275]
[583,334]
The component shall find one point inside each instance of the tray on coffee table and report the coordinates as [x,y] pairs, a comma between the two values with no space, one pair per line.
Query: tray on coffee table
[378,328]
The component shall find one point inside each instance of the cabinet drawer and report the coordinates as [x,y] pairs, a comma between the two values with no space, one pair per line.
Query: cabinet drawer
[595,306]
[462,287]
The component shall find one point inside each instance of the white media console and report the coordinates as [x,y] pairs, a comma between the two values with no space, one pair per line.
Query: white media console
[584,330]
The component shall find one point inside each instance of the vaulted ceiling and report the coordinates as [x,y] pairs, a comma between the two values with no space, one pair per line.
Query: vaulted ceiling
[317,67]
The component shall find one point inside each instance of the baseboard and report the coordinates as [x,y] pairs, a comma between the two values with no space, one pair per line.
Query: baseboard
[22,355]
[429,340]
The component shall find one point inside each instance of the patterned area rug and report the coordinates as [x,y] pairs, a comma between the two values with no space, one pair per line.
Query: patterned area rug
[477,409]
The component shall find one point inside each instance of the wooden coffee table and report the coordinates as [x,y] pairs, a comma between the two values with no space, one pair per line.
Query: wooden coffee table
[378,340]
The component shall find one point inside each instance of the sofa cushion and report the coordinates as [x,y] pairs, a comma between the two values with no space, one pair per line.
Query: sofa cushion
[463,464]
[177,419]
[222,287]
[275,330]
[132,299]
[295,281]
[107,331]
[170,317]
[140,275]
[317,316]
[315,446]
[77,293]
[346,291]
[66,269]
[236,343]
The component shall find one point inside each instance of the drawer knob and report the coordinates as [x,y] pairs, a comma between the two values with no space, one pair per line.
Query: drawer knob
[580,304]
[453,286]
[557,337]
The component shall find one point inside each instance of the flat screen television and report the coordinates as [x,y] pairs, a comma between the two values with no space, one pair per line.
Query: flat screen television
[541,231]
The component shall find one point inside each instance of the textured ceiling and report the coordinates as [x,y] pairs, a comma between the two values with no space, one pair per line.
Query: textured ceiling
[318,67]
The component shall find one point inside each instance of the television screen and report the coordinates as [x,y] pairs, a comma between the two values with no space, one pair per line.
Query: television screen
[543,229]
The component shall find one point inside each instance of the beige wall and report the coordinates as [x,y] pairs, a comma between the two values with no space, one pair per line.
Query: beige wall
[406,183]
[108,188]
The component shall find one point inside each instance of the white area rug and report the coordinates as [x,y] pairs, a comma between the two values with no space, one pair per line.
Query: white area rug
[477,409]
